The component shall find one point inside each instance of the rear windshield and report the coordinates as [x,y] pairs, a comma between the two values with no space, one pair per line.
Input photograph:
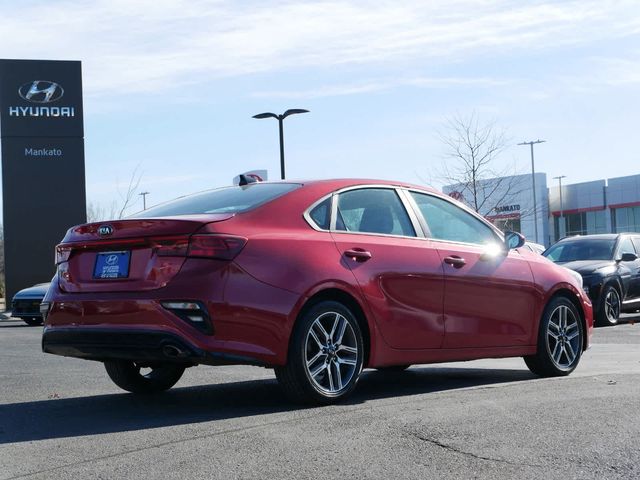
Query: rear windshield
[583,249]
[222,200]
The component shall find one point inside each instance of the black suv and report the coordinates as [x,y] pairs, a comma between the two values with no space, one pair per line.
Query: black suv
[610,271]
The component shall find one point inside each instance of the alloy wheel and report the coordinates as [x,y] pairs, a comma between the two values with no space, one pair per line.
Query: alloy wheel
[331,353]
[612,305]
[563,337]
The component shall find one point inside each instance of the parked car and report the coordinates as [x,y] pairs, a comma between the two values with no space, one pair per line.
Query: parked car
[26,304]
[317,280]
[535,247]
[610,269]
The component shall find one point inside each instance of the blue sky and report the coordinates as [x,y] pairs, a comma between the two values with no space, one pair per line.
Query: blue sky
[170,86]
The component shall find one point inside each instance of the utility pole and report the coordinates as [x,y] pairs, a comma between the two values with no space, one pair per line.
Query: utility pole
[533,179]
[561,220]
[144,199]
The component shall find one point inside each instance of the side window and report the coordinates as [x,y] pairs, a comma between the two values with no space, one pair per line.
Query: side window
[626,246]
[373,210]
[321,214]
[448,222]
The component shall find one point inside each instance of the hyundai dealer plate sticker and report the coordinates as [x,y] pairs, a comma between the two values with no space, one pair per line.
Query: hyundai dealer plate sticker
[112,265]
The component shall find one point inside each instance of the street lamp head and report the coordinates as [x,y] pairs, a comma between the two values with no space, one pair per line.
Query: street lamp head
[559,177]
[265,115]
[293,111]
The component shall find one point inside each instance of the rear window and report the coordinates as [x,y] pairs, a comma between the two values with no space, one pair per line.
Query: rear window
[222,200]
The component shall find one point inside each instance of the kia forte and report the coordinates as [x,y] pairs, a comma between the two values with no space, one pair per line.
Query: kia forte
[317,280]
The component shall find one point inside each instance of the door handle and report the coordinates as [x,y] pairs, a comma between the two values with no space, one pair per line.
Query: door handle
[455,261]
[358,254]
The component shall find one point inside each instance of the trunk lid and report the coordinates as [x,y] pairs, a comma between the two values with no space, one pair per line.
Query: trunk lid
[126,255]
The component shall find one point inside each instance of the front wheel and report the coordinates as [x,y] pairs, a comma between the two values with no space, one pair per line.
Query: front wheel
[325,355]
[560,340]
[136,378]
[610,307]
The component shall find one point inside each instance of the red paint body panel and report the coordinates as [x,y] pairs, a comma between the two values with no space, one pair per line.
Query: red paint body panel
[416,309]
[403,284]
[488,302]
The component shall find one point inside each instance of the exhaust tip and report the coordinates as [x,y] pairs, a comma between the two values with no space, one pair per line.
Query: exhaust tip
[173,351]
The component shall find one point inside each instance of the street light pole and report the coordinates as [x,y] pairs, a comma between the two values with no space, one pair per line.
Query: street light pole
[561,220]
[533,179]
[144,199]
[280,118]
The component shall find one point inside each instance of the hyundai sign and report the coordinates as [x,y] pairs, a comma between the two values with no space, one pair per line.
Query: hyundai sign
[43,181]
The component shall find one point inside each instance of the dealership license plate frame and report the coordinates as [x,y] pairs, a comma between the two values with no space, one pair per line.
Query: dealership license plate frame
[107,269]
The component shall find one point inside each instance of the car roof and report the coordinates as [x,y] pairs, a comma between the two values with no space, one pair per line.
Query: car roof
[347,182]
[595,236]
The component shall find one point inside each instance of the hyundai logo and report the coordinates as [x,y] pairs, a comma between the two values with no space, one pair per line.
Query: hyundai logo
[111,260]
[105,230]
[41,91]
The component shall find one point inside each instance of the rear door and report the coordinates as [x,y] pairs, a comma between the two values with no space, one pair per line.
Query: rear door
[489,293]
[400,277]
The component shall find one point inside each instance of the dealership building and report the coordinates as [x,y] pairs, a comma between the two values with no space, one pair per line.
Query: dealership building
[600,206]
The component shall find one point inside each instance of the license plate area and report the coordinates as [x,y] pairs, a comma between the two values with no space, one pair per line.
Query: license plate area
[112,265]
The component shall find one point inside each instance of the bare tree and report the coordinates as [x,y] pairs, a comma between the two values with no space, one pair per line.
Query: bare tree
[131,191]
[97,212]
[472,152]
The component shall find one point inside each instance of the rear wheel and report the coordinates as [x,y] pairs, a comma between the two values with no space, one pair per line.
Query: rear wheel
[610,307]
[325,356]
[32,322]
[136,378]
[559,340]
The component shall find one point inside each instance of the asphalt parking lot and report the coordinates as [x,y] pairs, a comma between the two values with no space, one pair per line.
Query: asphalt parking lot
[63,418]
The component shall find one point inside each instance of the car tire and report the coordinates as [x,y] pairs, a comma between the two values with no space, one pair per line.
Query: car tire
[326,355]
[560,340]
[33,322]
[393,368]
[128,376]
[610,307]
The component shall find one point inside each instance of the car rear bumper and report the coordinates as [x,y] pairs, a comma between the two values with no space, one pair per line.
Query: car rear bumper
[250,321]
[140,345]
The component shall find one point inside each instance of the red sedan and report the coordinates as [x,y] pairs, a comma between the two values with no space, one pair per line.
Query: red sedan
[317,280]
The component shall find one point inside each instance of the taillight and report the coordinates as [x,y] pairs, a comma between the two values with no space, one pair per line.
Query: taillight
[62,254]
[223,247]
[170,246]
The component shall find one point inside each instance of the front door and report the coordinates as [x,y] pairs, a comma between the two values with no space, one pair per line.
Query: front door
[489,293]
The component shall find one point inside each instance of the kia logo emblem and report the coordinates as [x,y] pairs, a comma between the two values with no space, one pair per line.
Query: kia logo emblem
[41,91]
[112,260]
[105,230]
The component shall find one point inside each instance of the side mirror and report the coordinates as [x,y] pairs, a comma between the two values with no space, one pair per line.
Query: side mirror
[513,240]
[628,257]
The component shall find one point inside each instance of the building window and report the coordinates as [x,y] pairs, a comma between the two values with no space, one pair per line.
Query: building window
[508,224]
[626,219]
[583,223]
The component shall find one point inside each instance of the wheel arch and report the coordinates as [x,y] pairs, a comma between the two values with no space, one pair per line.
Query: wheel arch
[339,295]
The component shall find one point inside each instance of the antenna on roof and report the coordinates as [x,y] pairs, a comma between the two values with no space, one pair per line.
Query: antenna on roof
[252,176]
[247,179]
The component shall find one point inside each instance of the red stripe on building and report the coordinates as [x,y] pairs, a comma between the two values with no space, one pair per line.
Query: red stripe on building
[578,210]
[502,216]
[624,205]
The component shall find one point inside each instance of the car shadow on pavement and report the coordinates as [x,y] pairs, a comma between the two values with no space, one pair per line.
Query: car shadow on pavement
[93,415]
